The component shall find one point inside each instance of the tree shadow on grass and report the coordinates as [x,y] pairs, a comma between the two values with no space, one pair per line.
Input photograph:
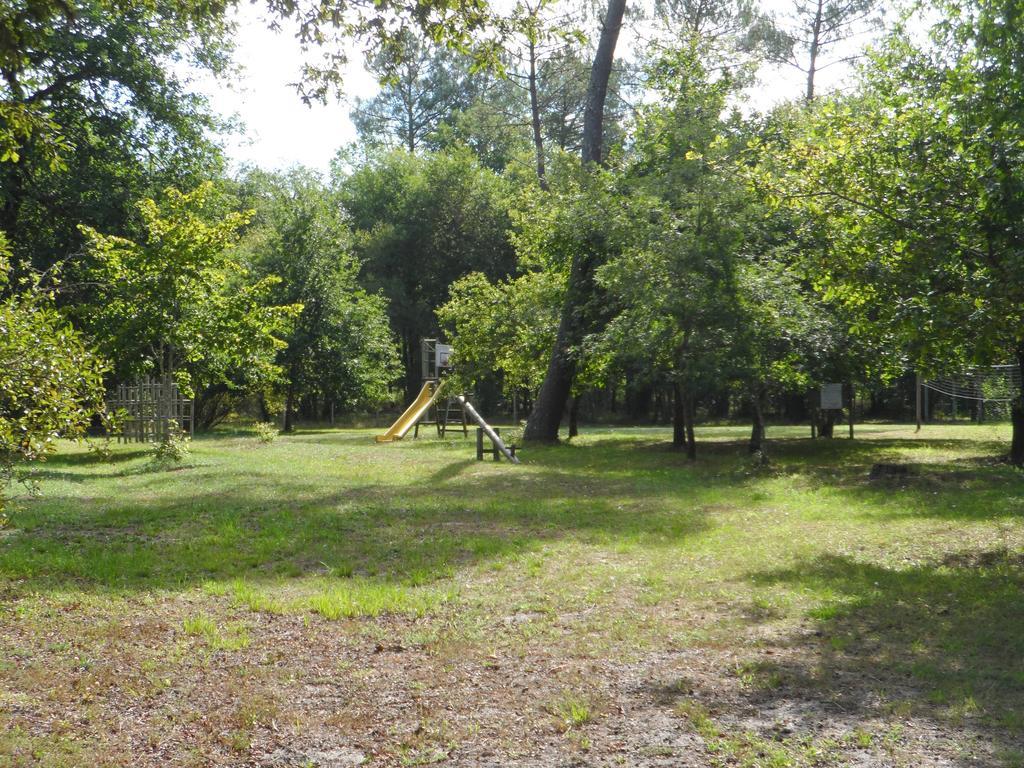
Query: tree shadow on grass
[171,532]
[978,486]
[941,641]
[173,529]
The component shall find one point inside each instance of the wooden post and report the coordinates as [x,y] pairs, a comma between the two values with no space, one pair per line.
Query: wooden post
[494,446]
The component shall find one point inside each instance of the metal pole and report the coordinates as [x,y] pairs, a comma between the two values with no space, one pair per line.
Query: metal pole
[487,430]
[850,403]
[917,400]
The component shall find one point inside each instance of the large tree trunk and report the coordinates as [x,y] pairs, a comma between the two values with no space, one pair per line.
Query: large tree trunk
[1017,418]
[757,422]
[597,88]
[547,414]
[678,417]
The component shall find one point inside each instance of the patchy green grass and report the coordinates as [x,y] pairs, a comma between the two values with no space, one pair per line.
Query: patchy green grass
[572,710]
[415,606]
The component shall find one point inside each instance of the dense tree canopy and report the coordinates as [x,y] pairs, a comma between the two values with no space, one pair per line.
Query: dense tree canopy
[339,351]
[179,302]
[917,176]
[694,252]
[422,222]
[120,122]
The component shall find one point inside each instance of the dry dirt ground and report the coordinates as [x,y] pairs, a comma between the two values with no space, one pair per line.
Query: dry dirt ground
[311,692]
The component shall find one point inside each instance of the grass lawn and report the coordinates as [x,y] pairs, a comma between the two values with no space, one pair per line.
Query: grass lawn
[326,601]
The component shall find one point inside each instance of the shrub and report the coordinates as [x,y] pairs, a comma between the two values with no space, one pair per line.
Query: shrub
[173,449]
[51,383]
[266,432]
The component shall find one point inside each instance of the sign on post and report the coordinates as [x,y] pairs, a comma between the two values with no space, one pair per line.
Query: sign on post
[443,352]
[831,397]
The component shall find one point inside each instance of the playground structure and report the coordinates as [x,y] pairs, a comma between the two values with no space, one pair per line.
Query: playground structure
[435,363]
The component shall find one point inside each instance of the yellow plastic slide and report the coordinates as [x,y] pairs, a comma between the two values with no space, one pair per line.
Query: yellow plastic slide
[413,413]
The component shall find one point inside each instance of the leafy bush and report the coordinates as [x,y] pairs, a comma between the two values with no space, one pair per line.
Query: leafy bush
[172,450]
[51,384]
[266,432]
[512,436]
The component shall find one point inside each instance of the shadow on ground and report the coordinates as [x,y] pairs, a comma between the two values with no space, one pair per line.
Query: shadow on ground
[938,641]
[172,529]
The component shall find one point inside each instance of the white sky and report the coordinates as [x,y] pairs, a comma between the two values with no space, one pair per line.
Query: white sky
[280,131]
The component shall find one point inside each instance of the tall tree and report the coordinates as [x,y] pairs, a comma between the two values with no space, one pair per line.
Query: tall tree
[818,27]
[918,175]
[541,34]
[51,382]
[573,325]
[101,76]
[421,222]
[178,301]
[676,280]
[423,85]
[339,349]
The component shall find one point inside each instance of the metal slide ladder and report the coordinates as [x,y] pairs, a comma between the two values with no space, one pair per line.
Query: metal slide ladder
[453,417]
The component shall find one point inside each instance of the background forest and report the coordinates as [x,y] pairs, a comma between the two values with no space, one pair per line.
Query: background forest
[600,235]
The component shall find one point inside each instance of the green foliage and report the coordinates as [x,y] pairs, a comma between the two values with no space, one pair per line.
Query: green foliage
[172,449]
[97,116]
[51,383]
[420,223]
[20,124]
[423,86]
[677,280]
[572,710]
[180,301]
[506,327]
[494,126]
[915,180]
[582,217]
[909,174]
[383,29]
[266,432]
[340,348]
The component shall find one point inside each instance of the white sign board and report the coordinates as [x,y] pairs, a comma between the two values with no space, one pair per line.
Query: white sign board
[831,397]
[443,352]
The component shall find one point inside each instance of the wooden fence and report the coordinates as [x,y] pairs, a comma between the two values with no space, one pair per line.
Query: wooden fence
[149,409]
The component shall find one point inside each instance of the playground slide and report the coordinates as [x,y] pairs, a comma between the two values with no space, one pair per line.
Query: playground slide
[413,413]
